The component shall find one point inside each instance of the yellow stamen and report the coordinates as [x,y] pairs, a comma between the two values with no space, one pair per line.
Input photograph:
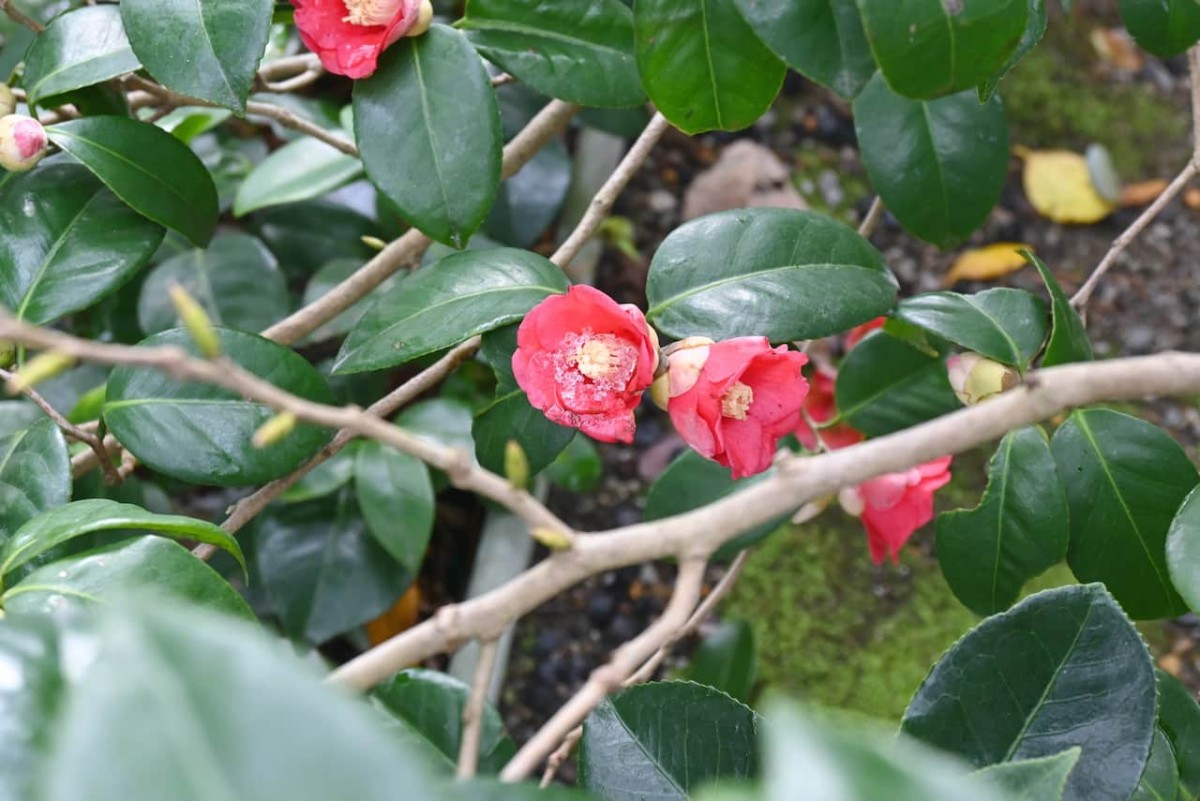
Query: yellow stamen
[370,12]
[736,401]
[595,359]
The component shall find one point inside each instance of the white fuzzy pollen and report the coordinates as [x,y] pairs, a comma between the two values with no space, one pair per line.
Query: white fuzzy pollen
[736,401]
[371,12]
[595,359]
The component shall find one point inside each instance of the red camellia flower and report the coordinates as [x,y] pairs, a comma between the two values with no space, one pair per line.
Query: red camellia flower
[584,361]
[731,401]
[895,505]
[821,407]
[349,35]
[856,334]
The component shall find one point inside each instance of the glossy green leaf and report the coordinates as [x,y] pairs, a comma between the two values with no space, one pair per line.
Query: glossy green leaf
[789,275]
[1035,28]
[691,482]
[928,48]
[510,417]
[1160,780]
[17,415]
[580,51]
[324,479]
[428,129]
[665,739]
[578,468]
[147,168]
[821,39]
[1063,668]
[1068,337]
[201,433]
[1164,27]
[67,242]
[235,279]
[213,709]
[726,660]
[80,48]
[812,757]
[306,236]
[1179,720]
[1124,480]
[1008,325]
[396,498]
[324,281]
[885,385]
[148,563]
[429,705]
[322,570]
[939,165]
[35,474]
[702,64]
[300,170]
[1042,779]
[441,305]
[1183,549]
[530,200]
[208,49]
[64,523]
[1018,531]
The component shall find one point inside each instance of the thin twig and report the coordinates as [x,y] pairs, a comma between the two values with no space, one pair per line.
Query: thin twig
[625,660]
[71,430]
[873,218]
[19,17]
[560,756]
[85,462]
[602,203]
[468,751]
[288,67]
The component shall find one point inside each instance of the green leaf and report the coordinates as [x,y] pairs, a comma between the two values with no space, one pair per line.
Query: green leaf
[208,49]
[510,417]
[440,305]
[428,129]
[1183,549]
[201,433]
[665,739]
[35,474]
[235,279]
[943,183]
[396,498]
[178,703]
[1008,325]
[928,48]
[1179,719]
[789,274]
[324,281]
[495,790]
[1164,27]
[580,51]
[702,64]
[67,242]
[80,48]
[1068,338]
[886,385]
[1063,668]
[810,757]
[578,468]
[821,39]
[530,200]
[326,478]
[428,706]
[691,482]
[1160,781]
[64,523]
[300,170]
[147,168]
[1018,531]
[148,563]
[1124,480]
[1043,779]
[1035,29]
[726,660]
[306,236]
[322,570]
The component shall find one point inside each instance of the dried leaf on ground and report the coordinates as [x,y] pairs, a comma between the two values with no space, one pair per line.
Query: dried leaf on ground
[747,174]
[1116,48]
[987,263]
[1143,193]
[1059,185]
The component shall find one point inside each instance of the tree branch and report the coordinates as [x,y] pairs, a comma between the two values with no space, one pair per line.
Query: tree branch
[468,752]
[19,17]
[873,218]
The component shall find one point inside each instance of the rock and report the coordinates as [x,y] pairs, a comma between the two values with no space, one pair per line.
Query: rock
[746,175]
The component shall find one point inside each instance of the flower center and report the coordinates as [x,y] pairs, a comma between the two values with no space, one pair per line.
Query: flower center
[736,401]
[595,358]
[371,12]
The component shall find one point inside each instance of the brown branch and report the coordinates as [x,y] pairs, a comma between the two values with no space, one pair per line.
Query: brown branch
[472,719]
[873,218]
[19,17]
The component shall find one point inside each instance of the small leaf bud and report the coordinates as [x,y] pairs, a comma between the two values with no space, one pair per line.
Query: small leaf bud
[516,465]
[196,321]
[274,430]
[40,368]
[553,538]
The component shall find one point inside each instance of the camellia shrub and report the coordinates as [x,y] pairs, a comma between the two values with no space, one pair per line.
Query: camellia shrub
[275,280]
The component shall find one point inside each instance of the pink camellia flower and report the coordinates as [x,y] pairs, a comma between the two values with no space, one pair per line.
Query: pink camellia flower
[895,505]
[22,142]
[349,35]
[856,334]
[821,407]
[732,401]
[584,361]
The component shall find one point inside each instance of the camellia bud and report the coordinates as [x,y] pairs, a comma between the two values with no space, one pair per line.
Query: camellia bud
[40,368]
[8,101]
[516,464]
[975,378]
[424,18]
[274,430]
[22,142]
[196,321]
[685,359]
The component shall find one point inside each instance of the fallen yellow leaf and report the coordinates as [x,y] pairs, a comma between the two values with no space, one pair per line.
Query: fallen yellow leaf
[986,263]
[1059,186]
